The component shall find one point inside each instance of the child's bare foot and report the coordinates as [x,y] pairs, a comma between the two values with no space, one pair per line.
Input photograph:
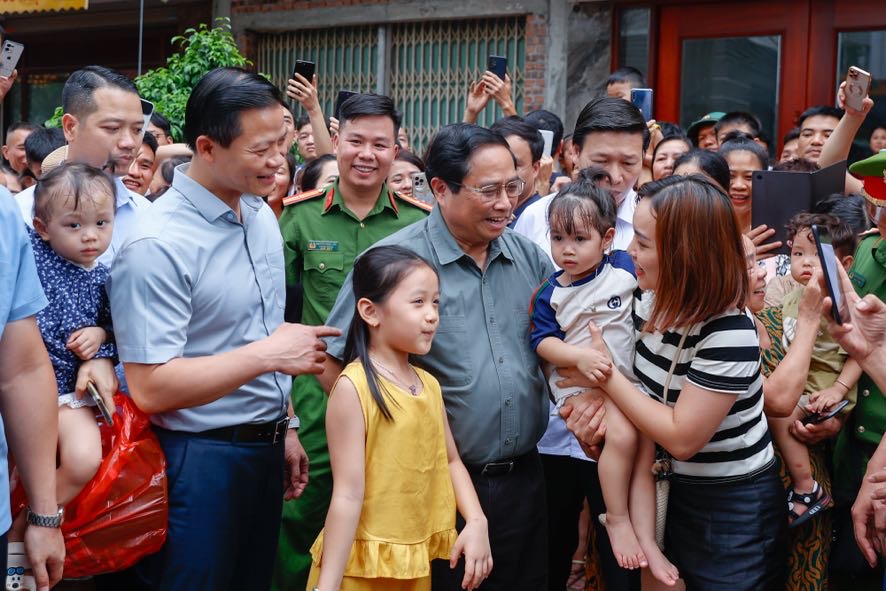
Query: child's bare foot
[623,540]
[660,567]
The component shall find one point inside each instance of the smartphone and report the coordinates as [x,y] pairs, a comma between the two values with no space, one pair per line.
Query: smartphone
[642,99]
[102,407]
[147,111]
[420,188]
[858,83]
[343,95]
[816,418]
[9,57]
[549,140]
[306,69]
[498,65]
[829,262]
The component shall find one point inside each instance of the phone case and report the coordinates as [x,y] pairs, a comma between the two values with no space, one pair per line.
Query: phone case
[858,84]
[11,53]
[305,68]
[498,65]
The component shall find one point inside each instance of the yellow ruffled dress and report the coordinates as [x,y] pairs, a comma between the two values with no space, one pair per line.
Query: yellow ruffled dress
[408,515]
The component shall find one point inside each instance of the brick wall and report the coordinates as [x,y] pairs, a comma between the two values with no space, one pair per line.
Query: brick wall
[536,57]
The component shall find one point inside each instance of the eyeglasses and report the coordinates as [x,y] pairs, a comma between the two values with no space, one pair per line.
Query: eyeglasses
[489,193]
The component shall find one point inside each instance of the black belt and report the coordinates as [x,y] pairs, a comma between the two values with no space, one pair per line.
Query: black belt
[496,468]
[273,432]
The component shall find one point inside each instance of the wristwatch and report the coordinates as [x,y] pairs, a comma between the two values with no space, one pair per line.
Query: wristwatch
[53,521]
[294,423]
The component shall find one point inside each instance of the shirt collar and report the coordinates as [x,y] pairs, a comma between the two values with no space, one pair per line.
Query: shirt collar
[385,200]
[448,250]
[627,207]
[206,203]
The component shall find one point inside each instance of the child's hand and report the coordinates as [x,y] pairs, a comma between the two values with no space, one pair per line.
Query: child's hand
[595,365]
[473,542]
[822,400]
[84,343]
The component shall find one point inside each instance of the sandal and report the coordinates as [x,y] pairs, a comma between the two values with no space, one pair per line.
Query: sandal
[18,569]
[577,581]
[815,502]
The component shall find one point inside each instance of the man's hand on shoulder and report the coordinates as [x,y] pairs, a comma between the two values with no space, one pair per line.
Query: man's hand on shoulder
[296,349]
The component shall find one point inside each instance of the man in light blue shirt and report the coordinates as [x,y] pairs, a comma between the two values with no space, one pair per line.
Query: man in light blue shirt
[197,294]
[27,398]
[103,125]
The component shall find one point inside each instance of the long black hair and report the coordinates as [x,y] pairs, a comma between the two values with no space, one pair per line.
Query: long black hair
[376,274]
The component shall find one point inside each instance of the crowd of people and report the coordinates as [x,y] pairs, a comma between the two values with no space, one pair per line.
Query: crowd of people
[492,366]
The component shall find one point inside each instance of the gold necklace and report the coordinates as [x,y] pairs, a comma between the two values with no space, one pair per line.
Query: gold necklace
[413,388]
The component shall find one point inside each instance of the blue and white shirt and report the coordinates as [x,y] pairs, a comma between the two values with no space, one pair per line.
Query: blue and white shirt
[605,296]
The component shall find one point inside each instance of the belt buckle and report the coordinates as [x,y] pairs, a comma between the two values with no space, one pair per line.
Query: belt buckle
[284,422]
[509,464]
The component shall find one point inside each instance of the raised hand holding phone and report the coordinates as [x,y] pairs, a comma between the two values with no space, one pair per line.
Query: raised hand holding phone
[829,264]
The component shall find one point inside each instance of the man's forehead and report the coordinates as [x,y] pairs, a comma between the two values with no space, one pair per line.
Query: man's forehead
[613,143]
[820,122]
[118,104]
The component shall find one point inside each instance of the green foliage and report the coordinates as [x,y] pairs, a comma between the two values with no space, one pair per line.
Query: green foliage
[202,49]
[56,119]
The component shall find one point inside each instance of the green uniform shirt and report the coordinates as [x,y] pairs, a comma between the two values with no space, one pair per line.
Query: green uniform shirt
[322,237]
[868,275]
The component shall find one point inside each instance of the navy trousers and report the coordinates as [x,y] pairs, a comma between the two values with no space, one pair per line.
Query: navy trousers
[225,501]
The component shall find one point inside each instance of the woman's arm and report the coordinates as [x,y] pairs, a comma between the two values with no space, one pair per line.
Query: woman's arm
[346,435]
[684,429]
[473,541]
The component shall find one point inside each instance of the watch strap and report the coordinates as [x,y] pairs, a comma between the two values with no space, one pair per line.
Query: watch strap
[52,521]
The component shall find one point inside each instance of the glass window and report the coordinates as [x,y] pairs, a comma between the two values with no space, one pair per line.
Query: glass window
[731,74]
[633,39]
[866,50]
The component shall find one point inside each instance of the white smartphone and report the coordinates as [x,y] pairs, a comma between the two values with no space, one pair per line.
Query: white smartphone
[421,190]
[858,83]
[549,141]
[9,57]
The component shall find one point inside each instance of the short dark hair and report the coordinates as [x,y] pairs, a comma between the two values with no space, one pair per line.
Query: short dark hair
[26,125]
[301,121]
[160,122]
[819,110]
[548,121]
[311,174]
[669,130]
[628,74]
[218,100]
[370,105]
[746,145]
[515,125]
[42,141]
[737,134]
[847,208]
[712,163]
[407,156]
[77,94]
[81,180]
[150,141]
[451,149]
[843,238]
[593,204]
[609,114]
[791,136]
[741,118]
[796,165]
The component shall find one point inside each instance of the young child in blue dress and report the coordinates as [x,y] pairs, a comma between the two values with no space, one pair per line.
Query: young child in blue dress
[597,285]
[73,218]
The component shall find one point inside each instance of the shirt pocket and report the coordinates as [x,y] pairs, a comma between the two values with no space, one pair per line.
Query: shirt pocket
[277,277]
[452,354]
[323,275]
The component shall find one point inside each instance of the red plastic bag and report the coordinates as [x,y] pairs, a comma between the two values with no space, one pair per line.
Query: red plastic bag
[121,515]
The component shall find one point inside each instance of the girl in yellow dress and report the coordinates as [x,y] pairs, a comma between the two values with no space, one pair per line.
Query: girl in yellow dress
[396,471]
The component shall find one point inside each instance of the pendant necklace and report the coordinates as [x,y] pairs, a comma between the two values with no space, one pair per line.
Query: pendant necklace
[413,388]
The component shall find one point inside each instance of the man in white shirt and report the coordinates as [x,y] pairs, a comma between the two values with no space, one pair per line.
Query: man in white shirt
[103,125]
[610,134]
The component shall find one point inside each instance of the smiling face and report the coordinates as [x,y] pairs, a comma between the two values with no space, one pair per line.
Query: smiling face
[14,149]
[756,276]
[141,171]
[365,149]
[742,165]
[250,163]
[408,317]
[618,153]
[79,235]
[804,256]
[474,221]
[878,140]
[400,179]
[111,133]
[643,249]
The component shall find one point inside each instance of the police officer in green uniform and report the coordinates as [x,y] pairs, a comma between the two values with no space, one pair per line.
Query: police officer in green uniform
[323,232]
[865,426]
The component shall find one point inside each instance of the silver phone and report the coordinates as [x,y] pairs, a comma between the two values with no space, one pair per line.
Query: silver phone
[421,190]
[9,57]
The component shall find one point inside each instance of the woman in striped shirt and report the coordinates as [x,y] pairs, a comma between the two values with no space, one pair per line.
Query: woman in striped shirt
[726,517]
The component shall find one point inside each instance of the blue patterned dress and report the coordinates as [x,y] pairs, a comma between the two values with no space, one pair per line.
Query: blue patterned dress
[77,299]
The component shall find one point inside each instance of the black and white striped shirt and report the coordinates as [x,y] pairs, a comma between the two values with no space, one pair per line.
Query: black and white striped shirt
[721,354]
